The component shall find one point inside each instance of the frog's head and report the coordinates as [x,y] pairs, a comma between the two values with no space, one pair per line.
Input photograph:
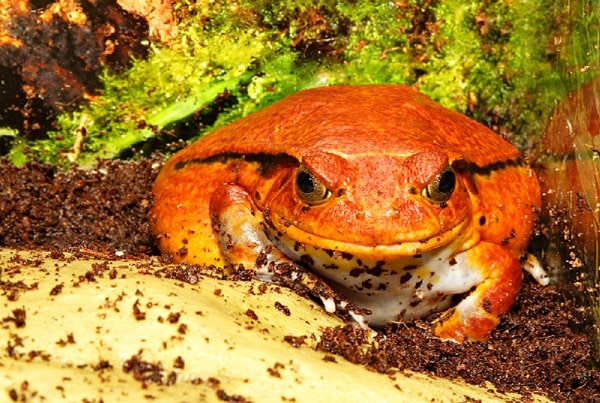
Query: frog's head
[372,204]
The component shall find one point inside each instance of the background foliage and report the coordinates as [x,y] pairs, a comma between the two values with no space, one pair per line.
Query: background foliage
[502,62]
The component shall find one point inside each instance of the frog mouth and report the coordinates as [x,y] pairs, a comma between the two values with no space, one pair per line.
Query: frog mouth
[461,235]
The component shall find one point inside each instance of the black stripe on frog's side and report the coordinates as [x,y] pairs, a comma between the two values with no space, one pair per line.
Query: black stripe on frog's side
[266,161]
[469,167]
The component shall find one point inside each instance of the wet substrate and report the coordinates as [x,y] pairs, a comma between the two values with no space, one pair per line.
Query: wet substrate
[540,346]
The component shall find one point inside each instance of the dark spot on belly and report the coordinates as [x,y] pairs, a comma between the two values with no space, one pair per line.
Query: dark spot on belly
[328,252]
[375,271]
[409,267]
[405,278]
[417,255]
[452,262]
[381,287]
[419,284]
[367,284]
[347,256]
[429,286]
[357,272]
[297,246]
[331,266]
[359,262]
[415,303]
[307,260]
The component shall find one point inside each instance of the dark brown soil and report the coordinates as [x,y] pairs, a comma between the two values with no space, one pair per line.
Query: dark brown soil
[101,211]
[540,346]
[50,64]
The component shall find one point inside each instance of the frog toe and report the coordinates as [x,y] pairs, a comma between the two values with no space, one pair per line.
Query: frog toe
[532,265]
[467,325]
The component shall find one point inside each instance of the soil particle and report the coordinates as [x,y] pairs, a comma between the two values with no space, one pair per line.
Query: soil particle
[282,308]
[540,345]
[18,317]
[143,371]
[294,341]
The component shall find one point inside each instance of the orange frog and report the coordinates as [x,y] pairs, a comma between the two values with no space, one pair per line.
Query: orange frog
[374,198]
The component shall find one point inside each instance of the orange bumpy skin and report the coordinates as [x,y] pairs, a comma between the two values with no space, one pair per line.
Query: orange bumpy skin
[374,198]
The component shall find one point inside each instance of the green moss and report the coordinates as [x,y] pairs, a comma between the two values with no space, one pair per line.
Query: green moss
[495,64]
[490,59]
[171,85]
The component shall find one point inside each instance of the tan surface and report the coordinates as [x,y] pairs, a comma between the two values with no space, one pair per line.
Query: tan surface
[52,356]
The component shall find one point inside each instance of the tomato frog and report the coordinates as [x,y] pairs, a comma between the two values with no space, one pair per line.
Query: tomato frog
[373,198]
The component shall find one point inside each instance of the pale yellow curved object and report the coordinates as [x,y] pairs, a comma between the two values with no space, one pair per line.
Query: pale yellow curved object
[56,352]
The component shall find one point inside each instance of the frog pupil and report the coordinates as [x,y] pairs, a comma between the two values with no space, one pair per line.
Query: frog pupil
[440,189]
[309,188]
[305,182]
[447,182]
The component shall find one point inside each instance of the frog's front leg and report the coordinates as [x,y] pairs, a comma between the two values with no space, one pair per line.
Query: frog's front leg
[239,227]
[475,316]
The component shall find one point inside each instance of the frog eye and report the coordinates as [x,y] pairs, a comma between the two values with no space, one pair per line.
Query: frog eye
[310,189]
[441,187]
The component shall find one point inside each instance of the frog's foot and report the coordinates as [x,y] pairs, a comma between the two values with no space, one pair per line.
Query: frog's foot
[479,312]
[532,265]
[243,241]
